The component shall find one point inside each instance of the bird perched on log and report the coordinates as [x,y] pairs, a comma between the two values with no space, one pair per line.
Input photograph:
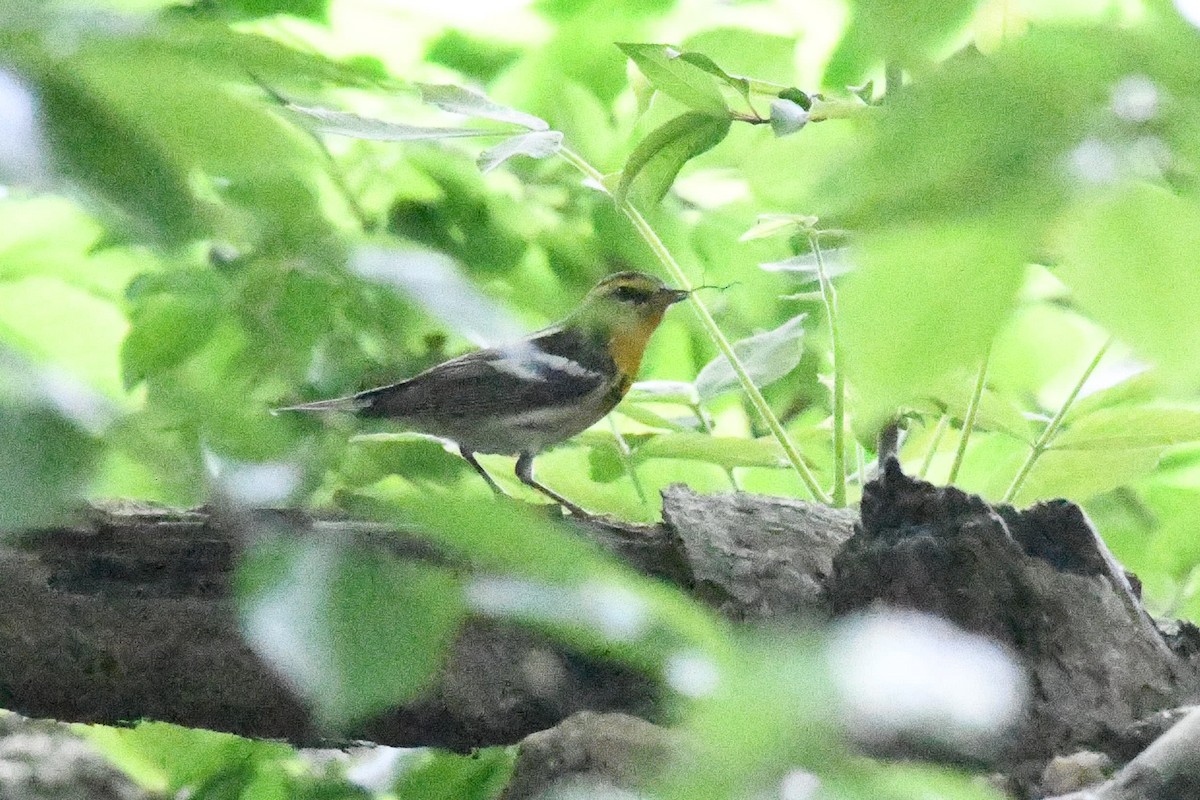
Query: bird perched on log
[521,398]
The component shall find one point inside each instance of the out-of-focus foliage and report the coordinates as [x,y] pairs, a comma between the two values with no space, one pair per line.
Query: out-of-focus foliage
[216,207]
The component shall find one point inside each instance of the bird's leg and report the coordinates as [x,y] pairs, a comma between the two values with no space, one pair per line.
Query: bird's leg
[525,473]
[469,457]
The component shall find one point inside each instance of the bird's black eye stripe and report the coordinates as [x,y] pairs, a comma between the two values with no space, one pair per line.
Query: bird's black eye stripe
[632,294]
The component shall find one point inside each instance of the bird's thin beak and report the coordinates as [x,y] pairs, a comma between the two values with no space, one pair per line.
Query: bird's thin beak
[675,295]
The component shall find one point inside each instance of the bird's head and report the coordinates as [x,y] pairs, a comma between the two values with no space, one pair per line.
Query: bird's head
[624,309]
[629,298]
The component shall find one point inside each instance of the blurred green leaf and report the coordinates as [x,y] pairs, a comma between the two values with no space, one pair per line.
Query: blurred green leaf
[900,31]
[537,144]
[924,303]
[316,10]
[1129,428]
[182,759]
[124,164]
[1082,474]
[45,465]
[352,632]
[685,81]
[474,56]
[659,157]
[166,329]
[1128,257]
[766,356]
[450,776]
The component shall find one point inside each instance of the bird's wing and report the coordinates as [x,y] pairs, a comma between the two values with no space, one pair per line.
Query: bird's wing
[543,371]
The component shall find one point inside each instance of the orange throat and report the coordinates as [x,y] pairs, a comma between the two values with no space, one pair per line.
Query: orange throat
[627,345]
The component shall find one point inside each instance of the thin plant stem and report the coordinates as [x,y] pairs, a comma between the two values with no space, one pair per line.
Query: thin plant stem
[672,268]
[934,442]
[860,456]
[829,295]
[627,462]
[706,423]
[969,419]
[1052,427]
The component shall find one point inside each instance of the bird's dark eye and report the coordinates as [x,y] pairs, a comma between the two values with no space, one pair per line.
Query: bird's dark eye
[632,294]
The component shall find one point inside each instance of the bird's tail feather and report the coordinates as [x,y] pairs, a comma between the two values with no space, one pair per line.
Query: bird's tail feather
[350,404]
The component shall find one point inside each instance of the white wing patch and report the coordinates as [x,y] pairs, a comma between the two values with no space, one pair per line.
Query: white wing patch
[528,362]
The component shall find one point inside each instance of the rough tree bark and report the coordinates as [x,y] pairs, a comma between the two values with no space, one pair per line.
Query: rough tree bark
[127,615]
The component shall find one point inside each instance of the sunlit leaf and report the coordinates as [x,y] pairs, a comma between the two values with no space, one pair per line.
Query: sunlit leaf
[538,144]
[656,161]
[923,304]
[767,357]
[473,104]
[1130,260]
[670,74]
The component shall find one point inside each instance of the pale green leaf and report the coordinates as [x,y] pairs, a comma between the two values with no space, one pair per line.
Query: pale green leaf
[767,357]
[672,75]
[458,100]
[536,144]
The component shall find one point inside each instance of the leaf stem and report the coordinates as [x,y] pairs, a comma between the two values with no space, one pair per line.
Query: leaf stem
[627,462]
[1052,427]
[672,268]
[935,440]
[969,419]
[829,295]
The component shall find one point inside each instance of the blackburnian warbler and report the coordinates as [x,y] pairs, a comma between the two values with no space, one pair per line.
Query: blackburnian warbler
[521,398]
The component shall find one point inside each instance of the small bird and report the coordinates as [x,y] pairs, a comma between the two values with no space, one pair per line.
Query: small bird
[521,398]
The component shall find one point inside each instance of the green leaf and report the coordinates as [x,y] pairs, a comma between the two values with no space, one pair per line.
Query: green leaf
[122,164]
[901,31]
[440,775]
[343,123]
[1082,474]
[166,329]
[925,303]
[605,464]
[316,10]
[180,759]
[766,356]
[664,151]
[353,633]
[724,451]
[1130,260]
[699,60]
[672,75]
[458,100]
[1126,428]
[475,57]
[537,144]
[45,463]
